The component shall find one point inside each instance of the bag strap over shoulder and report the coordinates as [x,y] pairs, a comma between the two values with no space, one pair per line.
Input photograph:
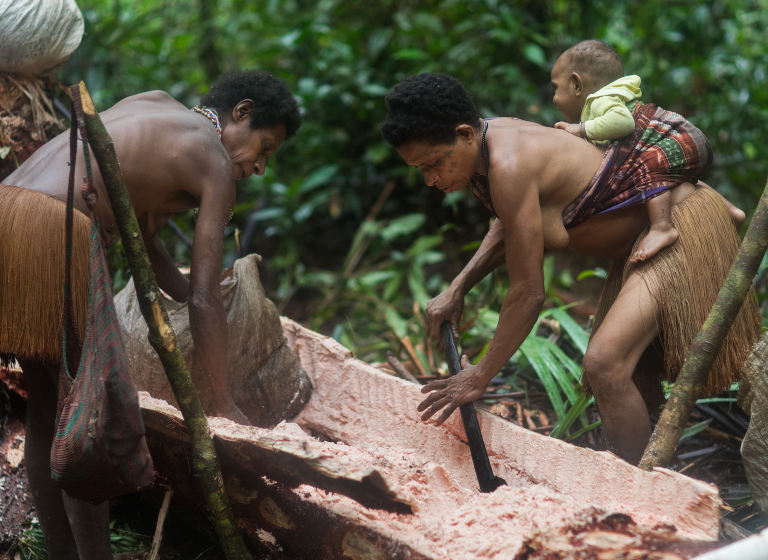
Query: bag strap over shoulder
[71,344]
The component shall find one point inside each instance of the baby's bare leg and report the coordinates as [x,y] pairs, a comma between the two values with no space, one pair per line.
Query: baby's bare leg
[662,233]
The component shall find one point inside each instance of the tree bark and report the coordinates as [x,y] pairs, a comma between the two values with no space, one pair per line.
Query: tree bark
[708,341]
[161,335]
[209,54]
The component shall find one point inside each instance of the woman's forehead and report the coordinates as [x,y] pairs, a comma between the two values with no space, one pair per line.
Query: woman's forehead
[275,132]
[420,152]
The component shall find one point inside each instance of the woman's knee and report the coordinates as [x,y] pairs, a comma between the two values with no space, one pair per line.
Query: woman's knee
[605,369]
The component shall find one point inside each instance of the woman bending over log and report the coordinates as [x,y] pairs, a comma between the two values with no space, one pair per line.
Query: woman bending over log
[173,160]
[546,189]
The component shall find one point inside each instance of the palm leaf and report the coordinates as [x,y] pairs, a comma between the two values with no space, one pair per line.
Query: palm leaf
[573,368]
[691,431]
[536,357]
[584,430]
[572,328]
[565,422]
[545,352]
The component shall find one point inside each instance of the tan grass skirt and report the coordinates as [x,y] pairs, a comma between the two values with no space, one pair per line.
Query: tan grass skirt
[32,274]
[685,279]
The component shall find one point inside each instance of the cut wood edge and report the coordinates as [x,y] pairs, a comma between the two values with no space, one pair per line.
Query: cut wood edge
[280,457]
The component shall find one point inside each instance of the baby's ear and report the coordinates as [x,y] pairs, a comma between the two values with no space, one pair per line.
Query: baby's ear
[577,84]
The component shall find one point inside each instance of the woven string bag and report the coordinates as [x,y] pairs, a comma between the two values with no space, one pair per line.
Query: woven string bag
[99,449]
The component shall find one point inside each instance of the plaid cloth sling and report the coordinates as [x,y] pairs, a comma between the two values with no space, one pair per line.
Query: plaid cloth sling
[99,450]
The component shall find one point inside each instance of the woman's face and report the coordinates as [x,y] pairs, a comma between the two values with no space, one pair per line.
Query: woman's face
[249,148]
[448,167]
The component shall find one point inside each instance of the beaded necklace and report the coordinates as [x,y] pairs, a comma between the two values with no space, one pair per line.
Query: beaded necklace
[211,114]
[478,184]
[485,150]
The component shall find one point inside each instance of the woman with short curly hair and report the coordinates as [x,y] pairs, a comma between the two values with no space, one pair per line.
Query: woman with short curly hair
[173,160]
[533,179]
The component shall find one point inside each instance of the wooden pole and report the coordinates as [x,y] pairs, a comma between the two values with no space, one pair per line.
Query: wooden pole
[161,335]
[400,369]
[708,341]
[158,538]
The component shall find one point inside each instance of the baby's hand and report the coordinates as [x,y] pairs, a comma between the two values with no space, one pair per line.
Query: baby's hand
[570,128]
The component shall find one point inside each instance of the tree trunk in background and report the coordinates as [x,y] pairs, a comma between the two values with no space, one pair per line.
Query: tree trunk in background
[161,336]
[708,341]
[209,55]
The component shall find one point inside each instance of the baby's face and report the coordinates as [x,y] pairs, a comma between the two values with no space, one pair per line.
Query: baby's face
[565,97]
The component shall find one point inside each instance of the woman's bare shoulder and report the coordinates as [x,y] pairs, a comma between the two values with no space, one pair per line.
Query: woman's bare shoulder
[504,122]
[147,102]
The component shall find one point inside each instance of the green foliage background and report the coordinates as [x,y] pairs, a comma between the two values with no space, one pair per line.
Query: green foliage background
[329,261]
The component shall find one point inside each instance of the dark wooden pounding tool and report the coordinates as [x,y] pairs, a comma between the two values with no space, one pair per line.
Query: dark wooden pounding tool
[488,482]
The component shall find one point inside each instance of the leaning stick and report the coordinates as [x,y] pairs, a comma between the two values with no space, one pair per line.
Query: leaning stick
[161,336]
[406,342]
[400,369]
[158,538]
[708,341]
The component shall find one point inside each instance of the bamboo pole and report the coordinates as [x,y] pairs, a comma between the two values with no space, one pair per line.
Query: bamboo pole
[708,341]
[161,336]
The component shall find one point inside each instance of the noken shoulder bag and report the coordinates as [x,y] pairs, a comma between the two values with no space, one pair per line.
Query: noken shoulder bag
[99,449]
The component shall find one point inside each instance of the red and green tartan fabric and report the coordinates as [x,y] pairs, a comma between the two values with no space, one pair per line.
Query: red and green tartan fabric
[664,151]
[99,449]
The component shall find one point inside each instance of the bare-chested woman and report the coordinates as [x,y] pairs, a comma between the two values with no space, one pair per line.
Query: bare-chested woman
[173,160]
[547,190]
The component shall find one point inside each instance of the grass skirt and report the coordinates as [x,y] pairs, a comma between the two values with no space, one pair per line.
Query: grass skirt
[685,279]
[32,274]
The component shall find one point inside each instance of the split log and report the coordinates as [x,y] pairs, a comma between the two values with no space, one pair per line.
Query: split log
[706,345]
[161,335]
[277,455]
[260,467]
[361,406]
[373,416]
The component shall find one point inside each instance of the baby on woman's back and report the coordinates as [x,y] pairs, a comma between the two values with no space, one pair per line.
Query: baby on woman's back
[592,90]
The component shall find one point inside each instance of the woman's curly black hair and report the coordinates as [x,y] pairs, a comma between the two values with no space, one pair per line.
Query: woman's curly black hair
[427,107]
[275,103]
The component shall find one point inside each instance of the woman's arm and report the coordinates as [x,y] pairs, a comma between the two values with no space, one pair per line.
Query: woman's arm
[207,318]
[523,245]
[170,280]
[449,305]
